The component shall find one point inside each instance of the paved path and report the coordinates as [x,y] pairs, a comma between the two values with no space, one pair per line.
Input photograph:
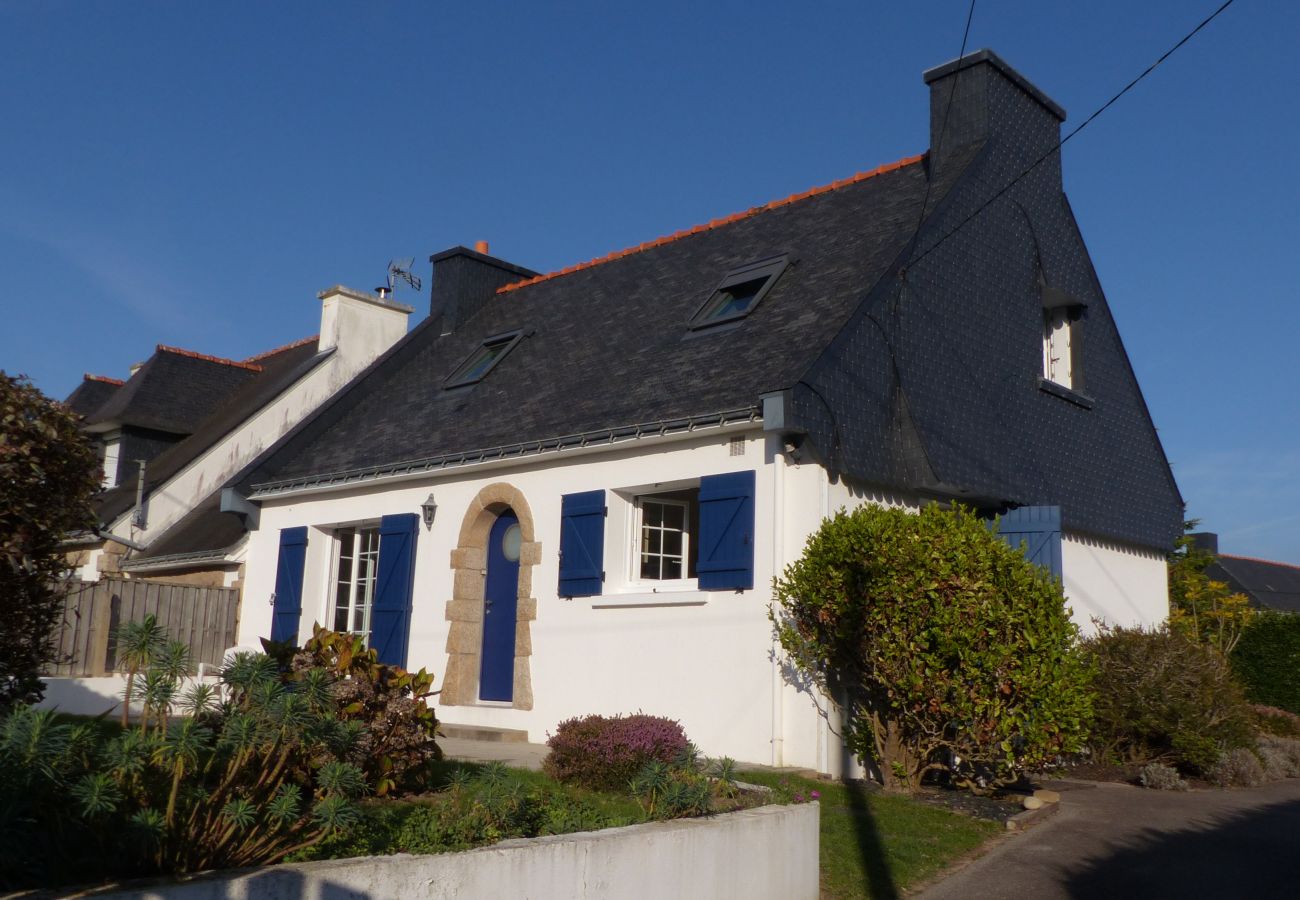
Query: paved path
[1116,841]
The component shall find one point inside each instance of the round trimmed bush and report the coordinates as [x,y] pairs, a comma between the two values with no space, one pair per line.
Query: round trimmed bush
[606,752]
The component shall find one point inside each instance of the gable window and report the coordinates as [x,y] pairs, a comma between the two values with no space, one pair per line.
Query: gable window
[665,527]
[355,568]
[740,292]
[483,359]
[1058,347]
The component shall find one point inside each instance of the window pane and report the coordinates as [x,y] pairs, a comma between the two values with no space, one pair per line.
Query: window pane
[674,516]
[672,568]
[649,567]
[654,540]
[341,618]
[672,543]
[652,514]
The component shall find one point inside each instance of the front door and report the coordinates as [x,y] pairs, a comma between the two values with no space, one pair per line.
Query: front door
[500,605]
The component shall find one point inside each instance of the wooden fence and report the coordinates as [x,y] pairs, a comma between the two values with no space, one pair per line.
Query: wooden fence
[203,618]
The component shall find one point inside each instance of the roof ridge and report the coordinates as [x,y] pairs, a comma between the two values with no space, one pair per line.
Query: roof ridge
[1271,562]
[717,223]
[283,347]
[252,367]
[103,378]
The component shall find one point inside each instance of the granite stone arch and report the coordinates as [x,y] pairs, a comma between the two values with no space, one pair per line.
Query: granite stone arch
[465,609]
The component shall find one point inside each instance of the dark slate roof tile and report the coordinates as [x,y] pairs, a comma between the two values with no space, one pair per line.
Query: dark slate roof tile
[174,391]
[93,392]
[1270,585]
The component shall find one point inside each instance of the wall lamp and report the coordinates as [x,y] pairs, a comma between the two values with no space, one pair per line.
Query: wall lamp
[429,509]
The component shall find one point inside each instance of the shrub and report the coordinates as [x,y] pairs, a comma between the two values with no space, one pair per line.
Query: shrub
[48,473]
[397,725]
[1267,660]
[1159,777]
[242,785]
[606,752]
[1275,763]
[1237,767]
[1287,751]
[1161,696]
[1272,720]
[948,644]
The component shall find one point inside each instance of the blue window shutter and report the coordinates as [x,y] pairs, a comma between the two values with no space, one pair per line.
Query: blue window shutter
[1038,528]
[582,544]
[726,557]
[287,608]
[390,617]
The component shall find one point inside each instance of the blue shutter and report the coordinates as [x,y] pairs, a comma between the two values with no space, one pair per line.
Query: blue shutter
[1038,528]
[582,544]
[287,607]
[726,558]
[390,616]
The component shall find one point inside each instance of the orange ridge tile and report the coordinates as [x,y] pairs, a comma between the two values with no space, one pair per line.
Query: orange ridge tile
[1271,562]
[104,378]
[715,223]
[283,347]
[252,367]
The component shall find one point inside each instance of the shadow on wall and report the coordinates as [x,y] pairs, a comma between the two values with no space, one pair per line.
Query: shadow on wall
[1249,854]
[273,883]
[84,696]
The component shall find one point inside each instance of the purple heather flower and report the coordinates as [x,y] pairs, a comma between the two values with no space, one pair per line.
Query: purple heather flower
[815,795]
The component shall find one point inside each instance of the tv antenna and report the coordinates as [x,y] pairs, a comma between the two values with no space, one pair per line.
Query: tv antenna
[400,269]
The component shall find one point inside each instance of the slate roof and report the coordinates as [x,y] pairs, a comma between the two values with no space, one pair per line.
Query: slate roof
[275,371]
[93,392]
[607,343]
[174,391]
[910,344]
[1270,585]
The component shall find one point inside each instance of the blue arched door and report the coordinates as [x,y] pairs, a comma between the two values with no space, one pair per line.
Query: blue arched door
[500,609]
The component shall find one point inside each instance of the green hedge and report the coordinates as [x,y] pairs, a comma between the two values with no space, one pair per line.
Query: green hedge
[1267,661]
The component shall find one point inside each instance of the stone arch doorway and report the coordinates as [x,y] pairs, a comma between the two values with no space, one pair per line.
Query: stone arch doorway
[465,610]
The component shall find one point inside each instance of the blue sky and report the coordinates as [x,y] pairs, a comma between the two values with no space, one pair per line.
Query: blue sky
[192,174]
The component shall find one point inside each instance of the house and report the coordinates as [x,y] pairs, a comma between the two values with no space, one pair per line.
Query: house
[569,493]
[184,423]
[1269,585]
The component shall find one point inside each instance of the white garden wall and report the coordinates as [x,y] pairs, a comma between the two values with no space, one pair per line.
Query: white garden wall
[769,853]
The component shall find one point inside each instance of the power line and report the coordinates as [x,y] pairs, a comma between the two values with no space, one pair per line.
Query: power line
[1057,148]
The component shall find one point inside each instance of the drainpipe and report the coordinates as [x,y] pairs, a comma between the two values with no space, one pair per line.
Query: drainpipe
[138,518]
[778,565]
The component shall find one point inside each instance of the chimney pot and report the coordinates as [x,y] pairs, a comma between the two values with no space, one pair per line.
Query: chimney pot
[481,247]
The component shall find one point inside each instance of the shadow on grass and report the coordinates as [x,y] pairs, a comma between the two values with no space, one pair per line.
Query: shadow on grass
[871,848]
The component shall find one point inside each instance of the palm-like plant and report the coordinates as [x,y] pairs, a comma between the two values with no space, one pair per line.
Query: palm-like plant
[138,643]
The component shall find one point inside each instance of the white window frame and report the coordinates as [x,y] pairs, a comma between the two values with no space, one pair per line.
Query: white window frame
[635,579]
[111,461]
[1058,347]
[356,534]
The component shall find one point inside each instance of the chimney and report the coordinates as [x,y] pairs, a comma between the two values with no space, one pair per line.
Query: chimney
[990,101]
[361,326]
[1206,541]
[464,280]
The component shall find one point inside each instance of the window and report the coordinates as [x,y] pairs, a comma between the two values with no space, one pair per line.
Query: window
[354,579]
[1058,350]
[739,292]
[666,525]
[111,453]
[482,360]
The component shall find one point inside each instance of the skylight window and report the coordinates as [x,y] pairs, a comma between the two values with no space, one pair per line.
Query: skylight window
[740,292]
[482,360]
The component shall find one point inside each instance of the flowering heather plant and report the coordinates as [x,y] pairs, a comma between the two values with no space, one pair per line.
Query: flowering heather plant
[607,752]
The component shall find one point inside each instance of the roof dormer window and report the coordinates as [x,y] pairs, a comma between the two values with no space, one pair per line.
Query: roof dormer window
[740,291]
[483,359]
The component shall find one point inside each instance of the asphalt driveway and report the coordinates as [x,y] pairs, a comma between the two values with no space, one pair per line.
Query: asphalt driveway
[1115,841]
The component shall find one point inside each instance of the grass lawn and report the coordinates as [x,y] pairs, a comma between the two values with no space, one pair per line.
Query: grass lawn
[877,845]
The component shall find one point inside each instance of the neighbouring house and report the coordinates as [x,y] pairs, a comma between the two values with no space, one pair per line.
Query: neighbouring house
[187,422]
[1269,585]
[569,493]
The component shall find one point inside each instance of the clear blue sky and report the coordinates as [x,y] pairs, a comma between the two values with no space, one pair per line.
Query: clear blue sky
[192,174]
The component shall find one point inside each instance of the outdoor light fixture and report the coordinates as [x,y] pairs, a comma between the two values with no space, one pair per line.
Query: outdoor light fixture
[430,509]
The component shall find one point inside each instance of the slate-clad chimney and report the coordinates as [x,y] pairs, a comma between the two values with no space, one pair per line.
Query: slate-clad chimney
[991,102]
[1205,540]
[464,280]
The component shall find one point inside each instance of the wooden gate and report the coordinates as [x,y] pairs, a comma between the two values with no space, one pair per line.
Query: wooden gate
[202,618]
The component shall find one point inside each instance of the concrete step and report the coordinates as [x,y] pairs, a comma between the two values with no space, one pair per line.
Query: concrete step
[483,733]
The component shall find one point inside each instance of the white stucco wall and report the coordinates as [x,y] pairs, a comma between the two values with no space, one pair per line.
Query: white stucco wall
[358,327]
[1118,584]
[707,659]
